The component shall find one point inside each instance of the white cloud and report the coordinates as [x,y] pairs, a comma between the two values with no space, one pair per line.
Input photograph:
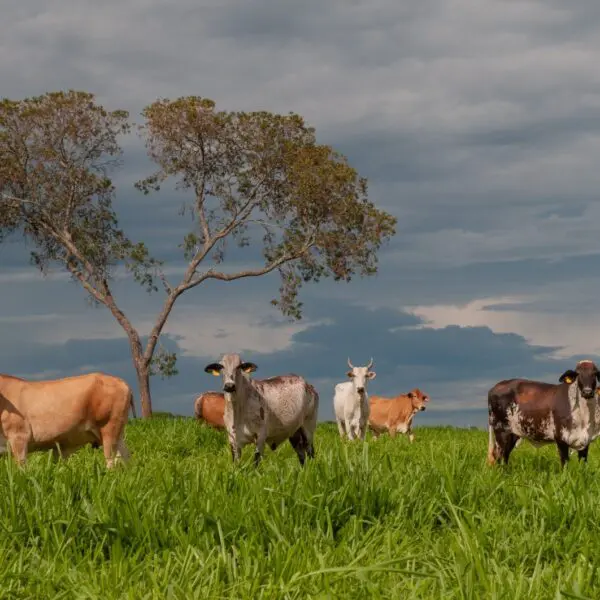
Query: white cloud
[574,331]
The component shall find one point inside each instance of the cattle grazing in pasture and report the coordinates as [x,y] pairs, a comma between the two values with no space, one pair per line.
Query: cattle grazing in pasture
[210,408]
[351,402]
[395,415]
[567,413]
[266,411]
[63,415]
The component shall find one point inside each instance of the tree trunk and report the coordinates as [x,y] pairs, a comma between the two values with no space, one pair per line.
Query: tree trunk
[143,376]
[142,371]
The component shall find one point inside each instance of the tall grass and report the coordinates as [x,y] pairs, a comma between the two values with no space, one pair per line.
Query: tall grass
[384,519]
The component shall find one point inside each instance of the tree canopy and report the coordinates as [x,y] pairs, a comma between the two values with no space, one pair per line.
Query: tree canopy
[251,178]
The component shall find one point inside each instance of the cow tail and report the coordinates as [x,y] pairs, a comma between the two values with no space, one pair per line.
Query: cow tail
[132,404]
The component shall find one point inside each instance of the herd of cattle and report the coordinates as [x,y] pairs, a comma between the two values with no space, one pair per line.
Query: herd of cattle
[270,411]
[63,415]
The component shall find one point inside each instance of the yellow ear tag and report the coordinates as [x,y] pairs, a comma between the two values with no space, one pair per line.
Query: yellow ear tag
[215,372]
[568,380]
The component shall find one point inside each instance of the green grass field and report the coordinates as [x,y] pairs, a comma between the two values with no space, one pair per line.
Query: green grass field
[384,519]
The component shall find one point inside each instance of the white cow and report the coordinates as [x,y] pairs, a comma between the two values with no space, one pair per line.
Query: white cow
[351,402]
[267,411]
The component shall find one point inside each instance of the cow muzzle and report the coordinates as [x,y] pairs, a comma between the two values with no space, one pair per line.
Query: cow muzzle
[360,390]
[422,408]
[229,388]
[587,393]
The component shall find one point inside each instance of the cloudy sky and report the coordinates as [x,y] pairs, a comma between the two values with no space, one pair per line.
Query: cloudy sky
[477,123]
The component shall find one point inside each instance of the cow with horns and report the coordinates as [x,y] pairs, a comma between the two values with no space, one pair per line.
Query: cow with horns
[351,402]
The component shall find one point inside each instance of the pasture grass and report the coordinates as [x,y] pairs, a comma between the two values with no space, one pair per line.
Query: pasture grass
[384,519]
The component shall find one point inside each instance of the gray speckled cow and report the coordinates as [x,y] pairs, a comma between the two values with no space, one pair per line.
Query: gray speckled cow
[266,411]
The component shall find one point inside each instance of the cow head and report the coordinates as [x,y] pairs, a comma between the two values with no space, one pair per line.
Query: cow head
[418,399]
[360,376]
[231,369]
[586,374]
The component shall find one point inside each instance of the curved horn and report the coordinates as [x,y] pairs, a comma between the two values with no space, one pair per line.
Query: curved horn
[370,364]
[350,364]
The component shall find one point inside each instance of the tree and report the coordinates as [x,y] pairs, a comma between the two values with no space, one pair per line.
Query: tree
[255,179]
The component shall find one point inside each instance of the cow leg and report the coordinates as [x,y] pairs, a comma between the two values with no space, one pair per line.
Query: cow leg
[307,442]
[509,446]
[563,451]
[350,430]
[298,441]
[501,445]
[18,448]
[236,452]
[341,428]
[583,453]
[123,455]
[362,431]
[110,440]
[411,436]
[260,445]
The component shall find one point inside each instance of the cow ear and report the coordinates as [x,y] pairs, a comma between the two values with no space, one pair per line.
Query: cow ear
[248,367]
[568,376]
[410,395]
[371,375]
[213,369]
[350,374]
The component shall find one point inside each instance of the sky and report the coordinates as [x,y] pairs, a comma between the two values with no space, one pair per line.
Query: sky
[477,124]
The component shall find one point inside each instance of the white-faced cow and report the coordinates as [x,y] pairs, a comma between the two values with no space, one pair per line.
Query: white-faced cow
[64,414]
[351,402]
[566,414]
[266,411]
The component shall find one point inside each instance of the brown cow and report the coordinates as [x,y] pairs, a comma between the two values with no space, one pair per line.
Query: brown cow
[567,414]
[395,415]
[210,408]
[64,414]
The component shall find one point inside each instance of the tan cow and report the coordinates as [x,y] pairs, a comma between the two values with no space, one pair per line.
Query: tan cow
[64,414]
[210,408]
[395,415]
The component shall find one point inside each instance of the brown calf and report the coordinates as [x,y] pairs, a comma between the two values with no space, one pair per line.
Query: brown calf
[64,414]
[567,414]
[210,408]
[395,415]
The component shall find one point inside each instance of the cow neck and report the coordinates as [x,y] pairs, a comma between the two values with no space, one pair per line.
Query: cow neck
[244,388]
[578,402]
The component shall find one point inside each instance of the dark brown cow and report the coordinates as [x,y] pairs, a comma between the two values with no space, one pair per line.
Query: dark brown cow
[210,408]
[567,414]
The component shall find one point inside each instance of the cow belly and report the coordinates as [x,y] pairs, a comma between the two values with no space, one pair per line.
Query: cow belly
[72,440]
[278,432]
[74,437]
